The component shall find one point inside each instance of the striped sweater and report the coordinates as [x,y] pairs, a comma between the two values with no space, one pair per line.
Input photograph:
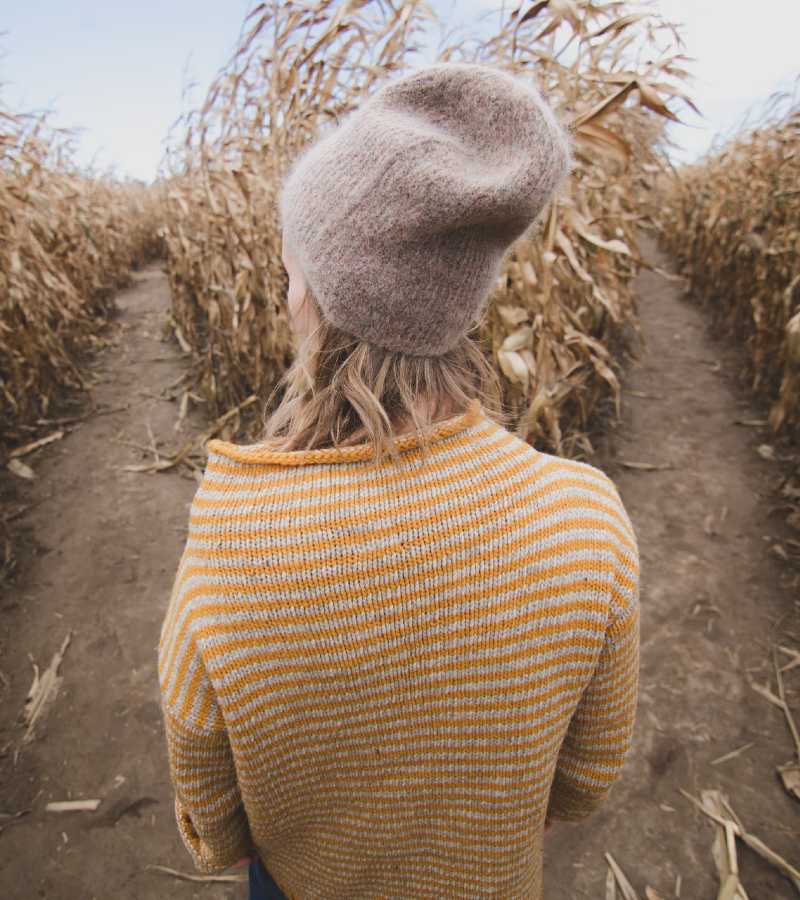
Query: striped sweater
[381,679]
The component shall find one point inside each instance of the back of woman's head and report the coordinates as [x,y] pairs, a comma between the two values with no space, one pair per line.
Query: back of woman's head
[400,219]
[340,387]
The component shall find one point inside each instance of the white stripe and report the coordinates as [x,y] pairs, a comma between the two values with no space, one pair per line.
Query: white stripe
[377,714]
[403,658]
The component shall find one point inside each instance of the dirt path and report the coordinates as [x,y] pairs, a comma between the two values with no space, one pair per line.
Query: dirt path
[710,604]
[111,541]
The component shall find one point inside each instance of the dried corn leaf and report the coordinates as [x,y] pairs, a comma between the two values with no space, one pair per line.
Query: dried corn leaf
[741,203]
[790,777]
[723,851]
[72,806]
[25,449]
[572,282]
[191,876]
[43,690]
[731,822]
[20,469]
[625,886]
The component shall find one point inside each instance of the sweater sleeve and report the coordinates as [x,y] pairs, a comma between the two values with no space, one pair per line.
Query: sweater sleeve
[601,729]
[208,807]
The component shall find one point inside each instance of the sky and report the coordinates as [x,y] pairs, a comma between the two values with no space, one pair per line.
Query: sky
[119,70]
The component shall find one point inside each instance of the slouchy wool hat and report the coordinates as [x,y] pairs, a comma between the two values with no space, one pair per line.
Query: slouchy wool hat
[400,217]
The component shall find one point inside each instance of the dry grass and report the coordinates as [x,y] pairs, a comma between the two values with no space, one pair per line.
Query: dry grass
[69,242]
[562,315]
[732,222]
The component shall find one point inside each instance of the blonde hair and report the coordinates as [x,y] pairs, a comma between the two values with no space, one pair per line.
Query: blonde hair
[338,385]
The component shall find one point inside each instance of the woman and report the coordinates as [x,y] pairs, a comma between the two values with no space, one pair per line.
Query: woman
[401,640]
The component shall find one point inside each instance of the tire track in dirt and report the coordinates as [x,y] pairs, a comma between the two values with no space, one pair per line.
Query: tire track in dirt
[709,606]
[109,544]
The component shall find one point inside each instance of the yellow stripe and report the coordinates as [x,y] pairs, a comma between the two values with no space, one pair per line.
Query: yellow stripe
[495,683]
[375,641]
[251,588]
[400,882]
[453,512]
[268,658]
[339,845]
[301,568]
[330,791]
[301,476]
[208,708]
[292,497]
[472,414]
[524,816]
[180,728]
[386,715]
[526,453]
[402,565]
[390,531]
[295,776]
[526,617]
[430,777]
[265,658]
[470,788]
[204,802]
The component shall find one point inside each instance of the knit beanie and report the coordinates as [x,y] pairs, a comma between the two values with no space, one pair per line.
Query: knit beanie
[400,217]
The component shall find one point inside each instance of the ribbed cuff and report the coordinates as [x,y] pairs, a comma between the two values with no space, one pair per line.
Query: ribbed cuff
[228,849]
[569,803]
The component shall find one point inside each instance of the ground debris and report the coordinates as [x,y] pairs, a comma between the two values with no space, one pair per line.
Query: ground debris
[124,806]
[20,469]
[652,894]
[790,776]
[789,773]
[43,690]
[716,807]
[724,851]
[73,806]
[34,445]
[188,876]
[733,753]
[645,466]
[9,819]
[628,893]
[160,463]
[795,658]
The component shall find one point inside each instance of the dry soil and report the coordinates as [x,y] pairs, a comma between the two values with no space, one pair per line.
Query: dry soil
[103,546]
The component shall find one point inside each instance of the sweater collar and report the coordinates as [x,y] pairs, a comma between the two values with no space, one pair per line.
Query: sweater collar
[259,454]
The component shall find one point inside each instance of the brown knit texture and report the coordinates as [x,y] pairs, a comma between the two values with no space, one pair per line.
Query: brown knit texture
[401,216]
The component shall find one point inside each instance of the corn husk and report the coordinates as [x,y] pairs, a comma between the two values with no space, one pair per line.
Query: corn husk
[560,318]
[70,238]
[732,221]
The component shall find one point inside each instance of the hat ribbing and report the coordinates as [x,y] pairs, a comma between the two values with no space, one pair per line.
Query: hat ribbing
[400,217]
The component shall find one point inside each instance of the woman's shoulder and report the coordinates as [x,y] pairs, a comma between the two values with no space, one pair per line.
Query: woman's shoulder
[586,484]
[577,471]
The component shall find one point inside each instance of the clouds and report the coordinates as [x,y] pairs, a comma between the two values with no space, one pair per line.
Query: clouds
[117,70]
[743,52]
[114,70]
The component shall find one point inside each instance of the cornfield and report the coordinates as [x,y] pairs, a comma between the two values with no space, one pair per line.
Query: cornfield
[69,241]
[562,315]
[732,222]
